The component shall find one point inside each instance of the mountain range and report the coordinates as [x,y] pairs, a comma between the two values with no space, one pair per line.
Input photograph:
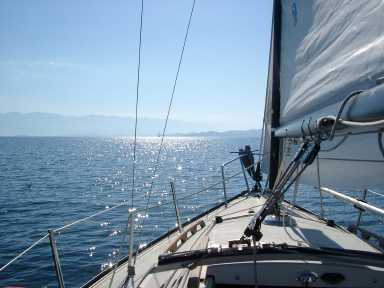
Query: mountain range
[50,124]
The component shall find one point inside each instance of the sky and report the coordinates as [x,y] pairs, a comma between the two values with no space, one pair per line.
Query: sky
[80,57]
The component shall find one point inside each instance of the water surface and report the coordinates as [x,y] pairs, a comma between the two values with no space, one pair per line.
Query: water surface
[46,182]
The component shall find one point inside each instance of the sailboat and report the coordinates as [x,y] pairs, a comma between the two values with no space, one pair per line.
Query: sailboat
[323,126]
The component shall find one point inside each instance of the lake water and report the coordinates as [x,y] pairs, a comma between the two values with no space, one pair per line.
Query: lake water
[47,182]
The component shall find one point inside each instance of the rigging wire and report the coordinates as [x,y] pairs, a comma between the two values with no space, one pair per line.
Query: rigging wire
[285,186]
[136,112]
[305,156]
[319,186]
[295,190]
[261,144]
[169,107]
[376,193]
[264,127]
[137,101]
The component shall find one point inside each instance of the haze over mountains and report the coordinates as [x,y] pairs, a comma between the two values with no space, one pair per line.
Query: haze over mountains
[49,124]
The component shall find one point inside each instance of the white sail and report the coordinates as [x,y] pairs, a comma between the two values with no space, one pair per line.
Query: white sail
[357,163]
[327,50]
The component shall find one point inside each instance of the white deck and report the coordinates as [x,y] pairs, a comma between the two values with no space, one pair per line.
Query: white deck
[301,229]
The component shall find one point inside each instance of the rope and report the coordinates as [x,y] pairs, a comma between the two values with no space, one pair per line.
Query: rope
[380,142]
[170,105]
[362,124]
[352,123]
[345,101]
[242,210]
[295,190]
[336,145]
[137,102]
[22,253]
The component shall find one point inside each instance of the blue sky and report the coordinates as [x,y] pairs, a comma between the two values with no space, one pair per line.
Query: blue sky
[79,57]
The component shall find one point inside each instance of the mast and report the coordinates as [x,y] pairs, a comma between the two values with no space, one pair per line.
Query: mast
[274,155]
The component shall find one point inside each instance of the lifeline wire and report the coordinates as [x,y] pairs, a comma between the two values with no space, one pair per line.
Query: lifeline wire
[169,107]
[124,203]
[23,252]
[137,102]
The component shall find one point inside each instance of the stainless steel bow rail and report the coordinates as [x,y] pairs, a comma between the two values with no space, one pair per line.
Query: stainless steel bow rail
[131,215]
[224,179]
[362,206]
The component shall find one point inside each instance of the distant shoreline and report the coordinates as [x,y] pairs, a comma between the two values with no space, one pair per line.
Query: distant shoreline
[36,124]
[229,133]
[193,135]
